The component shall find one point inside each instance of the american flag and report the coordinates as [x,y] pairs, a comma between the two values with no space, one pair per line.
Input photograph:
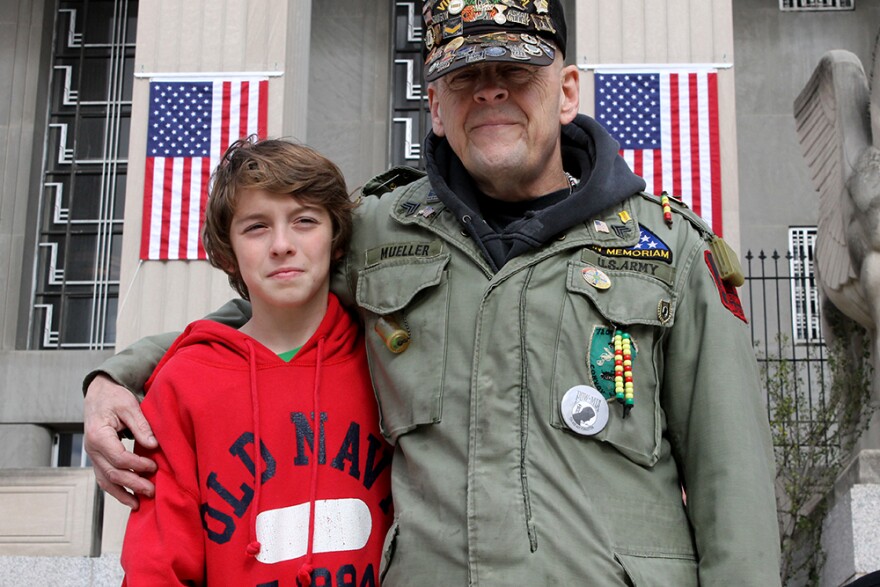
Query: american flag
[667,125]
[191,123]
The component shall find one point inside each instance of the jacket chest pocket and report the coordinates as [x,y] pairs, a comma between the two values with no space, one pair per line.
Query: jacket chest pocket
[409,295]
[638,305]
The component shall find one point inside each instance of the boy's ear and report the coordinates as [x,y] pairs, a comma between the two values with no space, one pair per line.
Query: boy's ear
[230,266]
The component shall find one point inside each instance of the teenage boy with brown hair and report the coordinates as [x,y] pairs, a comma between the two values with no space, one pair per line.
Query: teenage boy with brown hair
[314,501]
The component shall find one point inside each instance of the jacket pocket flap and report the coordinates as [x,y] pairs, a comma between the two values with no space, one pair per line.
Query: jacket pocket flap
[624,297]
[390,286]
[659,570]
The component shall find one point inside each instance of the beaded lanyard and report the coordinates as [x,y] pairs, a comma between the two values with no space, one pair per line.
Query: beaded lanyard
[667,209]
[623,375]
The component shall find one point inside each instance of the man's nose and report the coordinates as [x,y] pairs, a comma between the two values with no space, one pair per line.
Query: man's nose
[490,88]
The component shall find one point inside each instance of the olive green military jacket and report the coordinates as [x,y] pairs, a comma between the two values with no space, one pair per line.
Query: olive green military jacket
[491,486]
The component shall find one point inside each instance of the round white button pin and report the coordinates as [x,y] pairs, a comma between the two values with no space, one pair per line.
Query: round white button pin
[584,410]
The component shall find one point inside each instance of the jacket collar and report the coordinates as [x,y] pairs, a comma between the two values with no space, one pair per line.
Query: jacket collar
[418,205]
[588,152]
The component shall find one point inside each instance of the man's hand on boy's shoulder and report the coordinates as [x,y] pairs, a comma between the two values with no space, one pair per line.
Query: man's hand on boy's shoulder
[109,409]
[391,179]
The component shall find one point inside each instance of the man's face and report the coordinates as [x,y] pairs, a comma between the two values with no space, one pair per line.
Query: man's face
[503,121]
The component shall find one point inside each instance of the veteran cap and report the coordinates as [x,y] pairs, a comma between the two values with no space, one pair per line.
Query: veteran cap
[463,32]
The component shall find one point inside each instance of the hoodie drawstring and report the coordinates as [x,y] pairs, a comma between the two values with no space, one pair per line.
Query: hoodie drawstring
[253,548]
[305,571]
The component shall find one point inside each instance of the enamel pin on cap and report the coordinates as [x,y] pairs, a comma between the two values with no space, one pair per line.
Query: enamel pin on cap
[459,33]
[584,410]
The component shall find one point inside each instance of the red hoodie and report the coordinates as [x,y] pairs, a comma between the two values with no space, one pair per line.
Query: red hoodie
[216,395]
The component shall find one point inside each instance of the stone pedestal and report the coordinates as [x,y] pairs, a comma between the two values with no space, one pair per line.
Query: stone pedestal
[61,571]
[48,512]
[851,531]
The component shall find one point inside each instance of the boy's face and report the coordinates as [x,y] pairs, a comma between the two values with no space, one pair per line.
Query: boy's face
[283,249]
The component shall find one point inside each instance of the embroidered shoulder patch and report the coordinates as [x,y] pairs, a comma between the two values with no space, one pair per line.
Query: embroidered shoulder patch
[600,359]
[650,246]
[726,290]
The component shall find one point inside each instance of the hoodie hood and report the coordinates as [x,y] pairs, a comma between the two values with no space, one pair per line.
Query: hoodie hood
[589,154]
[221,343]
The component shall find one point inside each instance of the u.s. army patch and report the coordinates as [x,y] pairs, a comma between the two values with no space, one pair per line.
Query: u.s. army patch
[661,271]
[600,359]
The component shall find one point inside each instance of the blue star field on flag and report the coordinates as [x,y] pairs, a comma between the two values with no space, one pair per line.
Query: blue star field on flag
[649,241]
[180,119]
[628,106]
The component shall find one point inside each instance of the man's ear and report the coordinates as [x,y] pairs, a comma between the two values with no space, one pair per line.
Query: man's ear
[571,93]
[433,104]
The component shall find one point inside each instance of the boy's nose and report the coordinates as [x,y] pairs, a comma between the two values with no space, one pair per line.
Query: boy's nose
[282,244]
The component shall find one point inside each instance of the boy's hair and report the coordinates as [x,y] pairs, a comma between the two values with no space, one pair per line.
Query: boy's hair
[280,167]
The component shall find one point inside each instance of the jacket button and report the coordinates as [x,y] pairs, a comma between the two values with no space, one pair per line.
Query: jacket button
[466,219]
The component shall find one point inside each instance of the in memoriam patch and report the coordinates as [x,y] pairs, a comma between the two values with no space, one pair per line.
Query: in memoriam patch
[650,247]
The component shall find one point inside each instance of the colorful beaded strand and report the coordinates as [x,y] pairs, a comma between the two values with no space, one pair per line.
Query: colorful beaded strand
[667,209]
[624,389]
[619,388]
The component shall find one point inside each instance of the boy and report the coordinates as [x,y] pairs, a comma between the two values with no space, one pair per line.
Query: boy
[314,501]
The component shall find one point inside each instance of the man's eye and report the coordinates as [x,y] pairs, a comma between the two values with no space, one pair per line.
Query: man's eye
[460,79]
[518,73]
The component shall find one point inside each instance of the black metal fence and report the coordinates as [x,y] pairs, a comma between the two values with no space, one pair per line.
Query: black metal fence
[782,303]
[818,390]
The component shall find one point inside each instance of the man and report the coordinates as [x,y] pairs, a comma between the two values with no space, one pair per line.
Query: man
[554,358]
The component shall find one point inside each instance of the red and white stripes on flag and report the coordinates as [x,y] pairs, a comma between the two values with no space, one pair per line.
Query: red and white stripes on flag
[666,122]
[191,123]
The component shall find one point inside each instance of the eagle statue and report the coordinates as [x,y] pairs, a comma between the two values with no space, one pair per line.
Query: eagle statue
[838,126]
